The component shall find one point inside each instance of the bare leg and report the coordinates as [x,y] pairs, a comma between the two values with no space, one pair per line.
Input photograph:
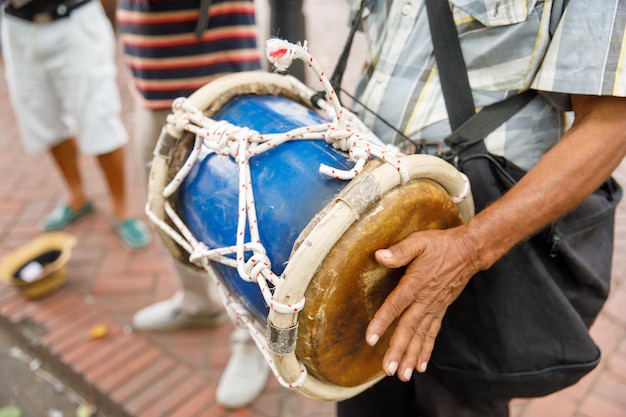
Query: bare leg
[112,165]
[65,156]
[133,232]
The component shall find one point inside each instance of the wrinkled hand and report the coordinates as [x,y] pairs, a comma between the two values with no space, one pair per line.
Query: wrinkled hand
[440,264]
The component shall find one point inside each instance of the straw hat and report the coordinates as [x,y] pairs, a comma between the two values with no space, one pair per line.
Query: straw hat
[39,267]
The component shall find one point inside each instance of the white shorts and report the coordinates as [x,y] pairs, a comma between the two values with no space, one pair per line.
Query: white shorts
[62,81]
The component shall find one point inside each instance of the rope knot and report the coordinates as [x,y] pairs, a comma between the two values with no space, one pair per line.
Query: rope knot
[177,104]
[181,122]
[339,138]
[199,254]
[281,53]
[255,266]
[221,138]
[360,150]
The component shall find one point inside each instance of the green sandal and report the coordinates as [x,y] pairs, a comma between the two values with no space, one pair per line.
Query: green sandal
[63,216]
[133,232]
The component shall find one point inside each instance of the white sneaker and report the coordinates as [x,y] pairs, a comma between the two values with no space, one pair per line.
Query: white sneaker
[244,377]
[167,316]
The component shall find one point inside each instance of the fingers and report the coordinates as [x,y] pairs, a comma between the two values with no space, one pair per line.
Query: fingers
[393,307]
[427,344]
[404,350]
[399,299]
[400,254]
[437,269]
[412,343]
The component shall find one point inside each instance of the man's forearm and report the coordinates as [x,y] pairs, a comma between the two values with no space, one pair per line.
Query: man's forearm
[586,155]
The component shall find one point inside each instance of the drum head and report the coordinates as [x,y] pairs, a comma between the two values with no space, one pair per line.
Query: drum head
[350,285]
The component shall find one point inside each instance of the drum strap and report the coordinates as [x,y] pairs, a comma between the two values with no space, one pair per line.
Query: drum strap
[469,128]
[337,77]
[203,18]
[340,69]
[450,63]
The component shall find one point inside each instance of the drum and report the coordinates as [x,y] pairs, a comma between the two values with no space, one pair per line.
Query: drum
[288,189]
[317,233]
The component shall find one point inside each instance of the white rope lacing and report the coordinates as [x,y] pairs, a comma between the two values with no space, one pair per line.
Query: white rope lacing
[341,136]
[345,132]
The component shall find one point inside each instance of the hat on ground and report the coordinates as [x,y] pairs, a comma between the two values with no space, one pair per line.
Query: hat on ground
[39,267]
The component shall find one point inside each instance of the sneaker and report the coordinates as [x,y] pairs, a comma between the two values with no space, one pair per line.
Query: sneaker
[244,377]
[133,232]
[168,316]
[63,216]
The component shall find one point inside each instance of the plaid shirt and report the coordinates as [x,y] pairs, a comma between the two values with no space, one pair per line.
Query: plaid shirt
[508,46]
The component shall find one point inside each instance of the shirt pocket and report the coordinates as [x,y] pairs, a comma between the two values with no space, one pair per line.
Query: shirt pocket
[503,42]
[496,12]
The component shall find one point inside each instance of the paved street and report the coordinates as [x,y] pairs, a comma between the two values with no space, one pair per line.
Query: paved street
[30,386]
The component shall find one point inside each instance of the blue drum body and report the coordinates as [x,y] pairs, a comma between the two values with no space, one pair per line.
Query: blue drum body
[288,188]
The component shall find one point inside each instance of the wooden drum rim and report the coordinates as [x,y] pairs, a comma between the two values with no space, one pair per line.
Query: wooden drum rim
[338,217]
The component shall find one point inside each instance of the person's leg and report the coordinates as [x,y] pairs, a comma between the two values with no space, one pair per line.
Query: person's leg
[133,232]
[112,164]
[434,400]
[196,304]
[148,125]
[245,375]
[420,397]
[29,52]
[87,83]
[389,397]
[65,156]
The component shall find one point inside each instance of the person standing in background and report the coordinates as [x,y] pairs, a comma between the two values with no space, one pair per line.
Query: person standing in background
[172,48]
[61,77]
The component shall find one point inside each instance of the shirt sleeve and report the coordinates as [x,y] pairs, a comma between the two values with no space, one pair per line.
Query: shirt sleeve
[587,54]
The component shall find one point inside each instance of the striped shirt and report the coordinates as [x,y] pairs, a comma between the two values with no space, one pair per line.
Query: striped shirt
[166,58]
[508,46]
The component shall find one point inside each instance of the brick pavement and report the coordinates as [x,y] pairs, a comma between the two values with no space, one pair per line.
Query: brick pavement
[131,374]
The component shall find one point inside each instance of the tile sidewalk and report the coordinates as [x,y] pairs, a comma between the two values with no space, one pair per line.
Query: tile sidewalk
[172,375]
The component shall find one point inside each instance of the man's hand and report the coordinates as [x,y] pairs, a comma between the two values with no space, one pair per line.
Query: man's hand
[440,263]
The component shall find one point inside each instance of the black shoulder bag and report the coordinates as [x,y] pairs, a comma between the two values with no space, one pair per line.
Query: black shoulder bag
[519,329]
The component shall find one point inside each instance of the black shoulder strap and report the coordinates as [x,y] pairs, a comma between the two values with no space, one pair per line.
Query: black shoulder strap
[476,128]
[203,18]
[469,128]
[450,63]
[337,78]
[340,68]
